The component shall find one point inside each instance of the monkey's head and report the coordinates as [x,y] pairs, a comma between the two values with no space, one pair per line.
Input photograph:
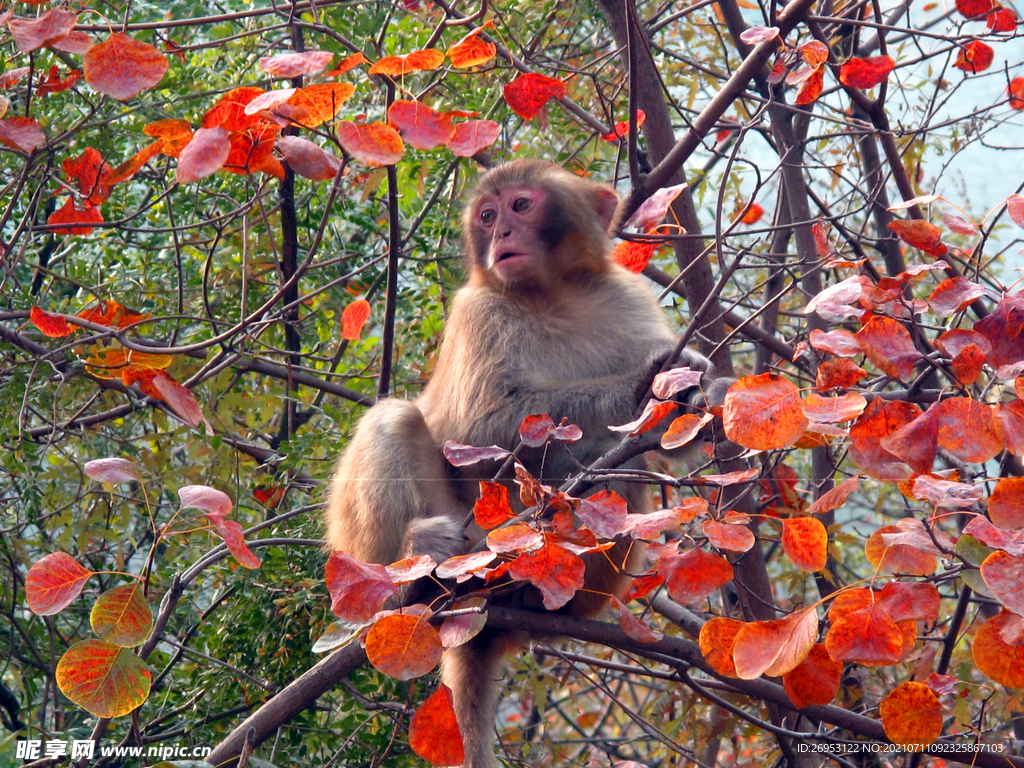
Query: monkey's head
[531,225]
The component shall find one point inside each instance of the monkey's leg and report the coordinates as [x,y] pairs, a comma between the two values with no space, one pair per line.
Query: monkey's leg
[391,496]
[473,671]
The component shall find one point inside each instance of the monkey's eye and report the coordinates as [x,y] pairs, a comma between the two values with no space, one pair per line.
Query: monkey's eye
[488,216]
[521,204]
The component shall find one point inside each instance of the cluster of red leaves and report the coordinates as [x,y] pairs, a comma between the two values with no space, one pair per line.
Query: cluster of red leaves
[116,362]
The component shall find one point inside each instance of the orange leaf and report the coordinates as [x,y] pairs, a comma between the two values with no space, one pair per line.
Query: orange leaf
[52,27]
[917,443]
[396,66]
[693,575]
[473,136]
[528,93]
[121,616]
[353,318]
[434,732]
[763,412]
[296,64]
[231,532]
[103,679]
[911,714]
[889,346]
[205,154]
[684,429]
[753,214]
[866,73]
[50,324]
[76,220]
[652,415]
[994,657]
[321,102]
[805,540]
[22,133]
[403,646]
[421,126]
[229,112]
[113,315]
[839,373]
[471,51]
[249,150]
[975,57]
[122,67]
[53,582]
[493,507]
[898,558]
[346,64]
[633,256]
[815,680]
[921,234]
[553,570]
[358,590]
[775,647]
[126,170]
[966,430]
[716,639]
[622,129]
[514,538]
[174,134]
[54,84]
[375,144]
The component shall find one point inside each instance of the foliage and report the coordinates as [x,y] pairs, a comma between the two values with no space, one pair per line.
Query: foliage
[225,229]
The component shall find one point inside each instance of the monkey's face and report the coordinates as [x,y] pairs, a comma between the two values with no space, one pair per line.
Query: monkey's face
[514,236]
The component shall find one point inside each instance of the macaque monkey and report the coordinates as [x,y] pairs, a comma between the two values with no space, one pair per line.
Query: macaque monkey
[547,323]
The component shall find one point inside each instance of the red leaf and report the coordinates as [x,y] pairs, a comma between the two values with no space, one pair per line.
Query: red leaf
[889,346]
[1016,93]
[22,133]
[974,9]
[654,208]
[812,88]
[1008,421]
[473,136]
[1015,208]
[463,455]
[693,575]
[994,657]
[921,234]
[834,498]
[296,64]
[832,410]
[434,732]
[775,647]
[866,73]
[70,214]
[954,295]
[122,67]
[528,93]
[917,443]
[757,35]
[716,639]
[375,144]
[1003,328]
[76,42]
[1004,575]
[553,570]
[103,679]
[911,715]
[1002,20]
[358,590]
[52,27]
[880,418]
[815,680]
[805,541]
[841,373]
[53,582]
[54,326]
[619,130]
[205,154]
[492,508]
[966,430]
[652,415]
[632,626]
[975,57]
[54,84]
[421,126]
[229,112]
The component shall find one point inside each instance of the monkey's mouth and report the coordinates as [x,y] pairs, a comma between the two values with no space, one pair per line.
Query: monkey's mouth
[508,255]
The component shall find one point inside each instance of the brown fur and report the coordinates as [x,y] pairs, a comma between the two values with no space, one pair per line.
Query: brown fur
[564,332]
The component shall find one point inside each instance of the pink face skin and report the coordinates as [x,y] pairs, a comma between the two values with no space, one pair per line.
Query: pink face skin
[510,222]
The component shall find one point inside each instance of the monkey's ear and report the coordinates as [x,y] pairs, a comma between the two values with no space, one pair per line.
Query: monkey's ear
[607,204]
